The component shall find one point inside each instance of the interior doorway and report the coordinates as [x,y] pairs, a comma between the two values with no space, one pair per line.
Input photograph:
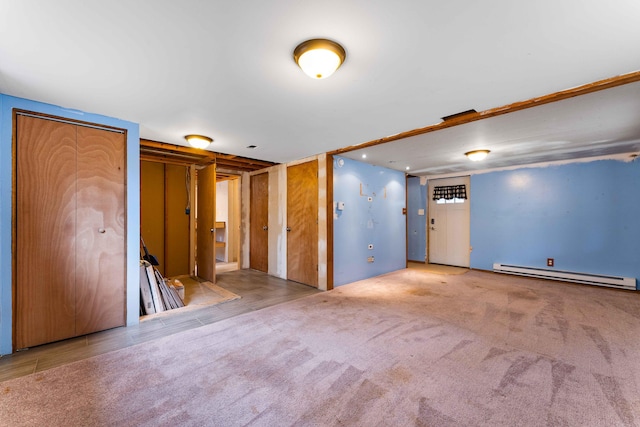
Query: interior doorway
[227,235]
[448,226]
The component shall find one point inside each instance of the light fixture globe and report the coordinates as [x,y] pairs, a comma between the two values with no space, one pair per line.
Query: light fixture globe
[477,155]
[319,58]
[198,141]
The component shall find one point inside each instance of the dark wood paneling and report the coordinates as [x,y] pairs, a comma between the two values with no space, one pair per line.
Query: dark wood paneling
[176,221]
[100,233]
[258,222]
[302,223]
[152,200]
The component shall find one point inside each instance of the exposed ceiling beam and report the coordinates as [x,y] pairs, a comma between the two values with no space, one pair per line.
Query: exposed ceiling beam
[472,116]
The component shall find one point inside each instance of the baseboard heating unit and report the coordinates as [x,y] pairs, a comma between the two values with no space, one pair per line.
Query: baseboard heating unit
[568,276]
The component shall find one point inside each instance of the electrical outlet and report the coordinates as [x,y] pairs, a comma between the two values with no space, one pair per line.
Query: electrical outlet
[550,262]
[370,259]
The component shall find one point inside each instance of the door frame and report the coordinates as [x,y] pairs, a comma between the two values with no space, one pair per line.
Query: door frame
[15,107]
[430,202]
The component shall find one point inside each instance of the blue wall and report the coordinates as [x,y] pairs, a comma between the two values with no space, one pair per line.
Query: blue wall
[7,104]
[584,215]
[417,224]
[362,222]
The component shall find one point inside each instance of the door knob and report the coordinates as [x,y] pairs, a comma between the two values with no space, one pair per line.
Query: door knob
[288,228]
[265,228]
[101,230]
[213,229]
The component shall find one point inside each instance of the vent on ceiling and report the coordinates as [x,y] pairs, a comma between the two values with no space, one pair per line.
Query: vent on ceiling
[460,114]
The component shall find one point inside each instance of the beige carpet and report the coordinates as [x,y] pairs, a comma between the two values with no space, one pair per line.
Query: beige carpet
[410,348]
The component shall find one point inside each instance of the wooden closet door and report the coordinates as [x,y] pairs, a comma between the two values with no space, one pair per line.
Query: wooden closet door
[100,231]
[258,222]
[206,220]
[302,223]
[45,231]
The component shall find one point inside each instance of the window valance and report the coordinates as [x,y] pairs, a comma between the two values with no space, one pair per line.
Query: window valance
[449,192]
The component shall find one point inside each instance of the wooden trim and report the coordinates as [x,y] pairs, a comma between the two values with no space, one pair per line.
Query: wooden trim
[154,159]
[19,111]
[329,192]
[14,215]
[192,220]
[165,230]
[498,111]
[213,220]
[406,220]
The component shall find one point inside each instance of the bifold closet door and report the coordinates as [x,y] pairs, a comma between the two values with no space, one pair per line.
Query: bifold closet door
[45,231]
[70,222]
[100,231]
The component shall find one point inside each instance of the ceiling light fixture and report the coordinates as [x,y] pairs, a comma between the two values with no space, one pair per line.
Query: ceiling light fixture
[477,155]
[198,141]
[319,58]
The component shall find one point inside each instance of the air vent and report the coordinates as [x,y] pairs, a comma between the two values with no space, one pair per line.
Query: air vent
[460,114]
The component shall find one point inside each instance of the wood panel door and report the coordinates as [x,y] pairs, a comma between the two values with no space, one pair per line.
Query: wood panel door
[70,233]
[259,222]
[302,223]
[45,231]
[205,249]
[100,231]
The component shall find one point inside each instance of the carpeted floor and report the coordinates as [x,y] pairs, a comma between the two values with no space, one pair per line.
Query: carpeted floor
[410,348]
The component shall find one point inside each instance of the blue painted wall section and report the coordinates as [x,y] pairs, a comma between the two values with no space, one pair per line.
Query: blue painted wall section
[584,215]
[7,104]
[373,200]
[417,224]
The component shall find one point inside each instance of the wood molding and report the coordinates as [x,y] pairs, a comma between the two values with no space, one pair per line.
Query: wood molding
[498,111]
[329,207]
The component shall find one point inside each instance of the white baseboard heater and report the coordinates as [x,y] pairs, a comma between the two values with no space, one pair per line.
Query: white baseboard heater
[568,276]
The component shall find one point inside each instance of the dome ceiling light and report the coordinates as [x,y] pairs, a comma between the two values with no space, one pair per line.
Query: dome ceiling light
[319,58]
[198,141]
[477,155]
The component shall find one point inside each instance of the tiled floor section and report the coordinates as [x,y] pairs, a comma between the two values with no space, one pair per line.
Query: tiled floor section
[257,290]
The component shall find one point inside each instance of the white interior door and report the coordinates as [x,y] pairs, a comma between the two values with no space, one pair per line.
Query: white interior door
[448,225]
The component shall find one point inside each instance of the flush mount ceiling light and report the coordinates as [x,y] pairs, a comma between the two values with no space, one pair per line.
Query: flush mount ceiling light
[477,155]
[319,58]
[198,141]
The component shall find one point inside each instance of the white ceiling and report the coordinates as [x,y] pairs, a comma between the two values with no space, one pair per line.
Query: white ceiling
[225,69]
